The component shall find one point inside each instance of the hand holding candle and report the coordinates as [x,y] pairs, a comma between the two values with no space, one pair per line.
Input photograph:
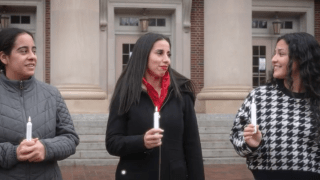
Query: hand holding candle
[254,114]
[29,130]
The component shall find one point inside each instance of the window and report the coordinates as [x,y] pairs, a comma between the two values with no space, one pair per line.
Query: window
[157,22]
[259,24]
[129,21]
[126,54]
[17,19]
[258,65]
[286,25]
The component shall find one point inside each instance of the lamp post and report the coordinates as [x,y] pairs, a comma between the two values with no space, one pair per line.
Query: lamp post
[276,25]
[144,21]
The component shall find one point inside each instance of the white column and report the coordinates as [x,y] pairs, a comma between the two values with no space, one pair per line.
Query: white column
[75,54]
[227,55]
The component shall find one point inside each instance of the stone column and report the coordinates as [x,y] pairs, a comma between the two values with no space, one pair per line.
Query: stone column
[75,55]
[227,55]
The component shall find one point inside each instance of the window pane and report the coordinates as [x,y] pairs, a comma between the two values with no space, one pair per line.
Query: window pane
[125,59]
[255,81]
[124,21]
[262,50]
[25,19]
[262,80]
[134,22]
[125,48]
[161,22]
[255,70]
[255,61]
[255,50]
[15,19]
[152,22]
[131,47]
[254,24]
[288,24]
[263,24]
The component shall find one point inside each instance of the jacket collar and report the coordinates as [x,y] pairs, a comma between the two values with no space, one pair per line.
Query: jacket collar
[15,85]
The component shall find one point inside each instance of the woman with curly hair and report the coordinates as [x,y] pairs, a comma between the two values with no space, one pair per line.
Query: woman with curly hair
[286,144]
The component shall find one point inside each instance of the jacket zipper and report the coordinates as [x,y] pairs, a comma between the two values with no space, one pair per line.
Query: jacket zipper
[24,118]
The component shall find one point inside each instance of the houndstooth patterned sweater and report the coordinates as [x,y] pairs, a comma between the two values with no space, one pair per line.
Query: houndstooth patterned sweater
[288,138]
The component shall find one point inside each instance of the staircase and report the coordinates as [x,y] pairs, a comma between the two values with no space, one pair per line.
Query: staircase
[91,128]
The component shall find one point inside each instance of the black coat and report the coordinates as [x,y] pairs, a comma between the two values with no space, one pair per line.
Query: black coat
[181,156]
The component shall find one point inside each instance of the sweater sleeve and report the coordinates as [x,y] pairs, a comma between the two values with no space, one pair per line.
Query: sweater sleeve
[8,155]
[64,143]
[242,119]
[192,145]
[118,142]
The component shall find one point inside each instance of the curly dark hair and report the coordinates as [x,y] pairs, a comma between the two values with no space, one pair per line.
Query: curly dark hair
[304,49]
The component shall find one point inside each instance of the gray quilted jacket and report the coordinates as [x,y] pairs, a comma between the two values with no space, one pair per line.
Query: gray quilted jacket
[51,123]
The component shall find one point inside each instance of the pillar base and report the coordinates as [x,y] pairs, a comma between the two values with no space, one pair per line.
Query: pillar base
[221,99]
[84,98]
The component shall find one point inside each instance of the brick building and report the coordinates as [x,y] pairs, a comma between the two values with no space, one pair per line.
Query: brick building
[225,47]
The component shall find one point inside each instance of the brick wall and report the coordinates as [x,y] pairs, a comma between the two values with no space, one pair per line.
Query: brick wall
[317,19]
[47,42]
[197,43]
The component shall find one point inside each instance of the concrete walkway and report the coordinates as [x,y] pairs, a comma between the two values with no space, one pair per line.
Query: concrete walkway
[212,172]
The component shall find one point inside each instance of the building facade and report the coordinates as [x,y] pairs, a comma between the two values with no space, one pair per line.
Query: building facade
[225,47]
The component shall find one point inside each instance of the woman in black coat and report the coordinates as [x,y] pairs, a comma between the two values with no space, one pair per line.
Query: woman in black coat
[172,152]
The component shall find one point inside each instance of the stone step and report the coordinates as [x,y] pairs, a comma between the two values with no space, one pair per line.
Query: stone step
[214,130]
[92,138]
[90,130]
[97,154]
[204,123]
[214,137]
[102,130]
[84,123]
[219,153]
[203,137]
[100,120]
[216,145]
[103,154]
[88,162]
[106,162]
[91,146]
[204,145]
[237,160]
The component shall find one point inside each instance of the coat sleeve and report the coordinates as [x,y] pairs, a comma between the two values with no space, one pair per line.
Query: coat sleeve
[66,140]
[242,119]
[118,142]
[8,155]
[191,144]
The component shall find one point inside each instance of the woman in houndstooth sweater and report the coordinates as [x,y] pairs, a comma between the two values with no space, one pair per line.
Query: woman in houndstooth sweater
[286,144]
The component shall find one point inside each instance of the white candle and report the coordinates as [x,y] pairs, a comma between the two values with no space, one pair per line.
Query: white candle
[29,129]
[254,114]
[156,117]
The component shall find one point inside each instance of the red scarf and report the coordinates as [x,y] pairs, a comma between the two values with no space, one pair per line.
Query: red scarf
[165,83]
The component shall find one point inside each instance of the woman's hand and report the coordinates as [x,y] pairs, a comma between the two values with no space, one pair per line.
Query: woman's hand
[253,140]
[152,138]
[33,151]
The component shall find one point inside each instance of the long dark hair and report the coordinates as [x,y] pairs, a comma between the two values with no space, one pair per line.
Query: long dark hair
[8,37]
[128,86]
[305,50]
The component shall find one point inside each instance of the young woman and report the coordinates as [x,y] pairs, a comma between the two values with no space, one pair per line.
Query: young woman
[174,150]
[22,96]
[286,145]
